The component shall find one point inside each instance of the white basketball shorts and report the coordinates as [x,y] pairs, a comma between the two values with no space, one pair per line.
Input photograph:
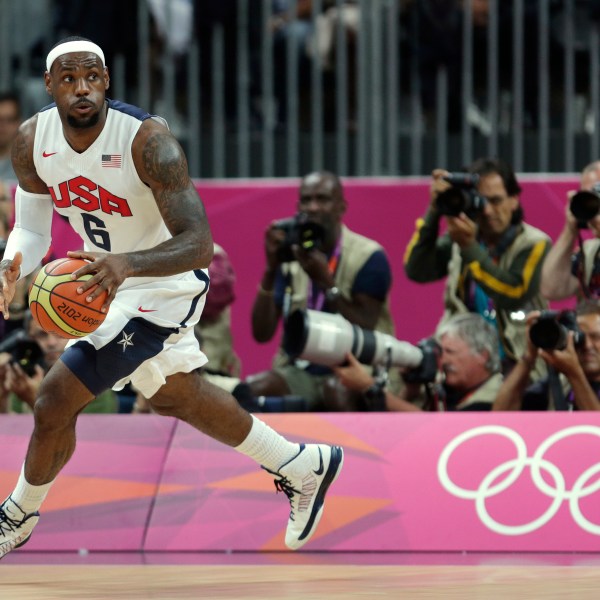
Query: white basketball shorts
[147,335]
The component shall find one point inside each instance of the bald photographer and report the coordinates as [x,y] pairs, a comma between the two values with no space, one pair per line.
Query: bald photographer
[491,258]
[313,261]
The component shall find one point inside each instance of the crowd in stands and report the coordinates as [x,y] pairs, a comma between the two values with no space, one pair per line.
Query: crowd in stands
[302,33]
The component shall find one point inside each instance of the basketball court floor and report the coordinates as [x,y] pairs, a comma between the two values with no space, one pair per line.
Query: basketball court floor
[298,576]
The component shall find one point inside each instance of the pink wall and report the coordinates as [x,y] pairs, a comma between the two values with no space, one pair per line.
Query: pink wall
[383,209]
[480,482]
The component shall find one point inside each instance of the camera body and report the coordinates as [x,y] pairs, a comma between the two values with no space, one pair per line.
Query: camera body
[551,330]
[462,197]
[299,231]
[426,372]
[24,351]
[585,205]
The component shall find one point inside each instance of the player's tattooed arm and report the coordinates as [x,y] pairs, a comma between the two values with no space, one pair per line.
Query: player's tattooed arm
[162,165]
[22,159]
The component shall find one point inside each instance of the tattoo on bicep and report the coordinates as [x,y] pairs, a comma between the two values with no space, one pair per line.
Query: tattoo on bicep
[164,162]
[21,158]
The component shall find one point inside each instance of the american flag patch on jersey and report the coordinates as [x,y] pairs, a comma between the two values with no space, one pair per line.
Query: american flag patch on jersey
[111,160]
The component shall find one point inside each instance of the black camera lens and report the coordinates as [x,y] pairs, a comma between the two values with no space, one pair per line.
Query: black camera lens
[551,330]
[548,334]
[466,180]
[584,206]
[452,202]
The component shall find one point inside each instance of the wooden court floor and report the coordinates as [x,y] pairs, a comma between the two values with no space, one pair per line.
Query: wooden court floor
[300,582]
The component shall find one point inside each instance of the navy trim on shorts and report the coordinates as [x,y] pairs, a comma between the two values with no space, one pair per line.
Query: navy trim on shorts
[202,276]
[100,369]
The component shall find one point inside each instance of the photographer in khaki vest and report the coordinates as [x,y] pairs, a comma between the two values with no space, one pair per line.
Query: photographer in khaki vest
[492,259]
[315,262]
[570,272]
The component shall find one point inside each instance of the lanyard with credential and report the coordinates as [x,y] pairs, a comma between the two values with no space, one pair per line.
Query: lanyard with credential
[316,301]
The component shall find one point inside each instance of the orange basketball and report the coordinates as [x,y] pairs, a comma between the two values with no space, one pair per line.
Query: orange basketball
[56,305]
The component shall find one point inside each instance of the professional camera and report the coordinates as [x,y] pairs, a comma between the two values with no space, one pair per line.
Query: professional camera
[299,231]
[325,339]
[461,197]
[552,328]
[585,205]
[23,350]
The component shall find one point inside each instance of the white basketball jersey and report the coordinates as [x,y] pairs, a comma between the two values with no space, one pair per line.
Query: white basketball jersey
[99,190]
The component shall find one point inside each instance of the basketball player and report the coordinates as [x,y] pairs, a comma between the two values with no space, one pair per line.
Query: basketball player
[122,180]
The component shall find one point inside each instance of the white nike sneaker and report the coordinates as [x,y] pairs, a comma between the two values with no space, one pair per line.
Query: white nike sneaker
[15,526]
[305,480]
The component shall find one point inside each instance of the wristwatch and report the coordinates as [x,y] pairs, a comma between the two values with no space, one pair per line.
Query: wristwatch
[332,294]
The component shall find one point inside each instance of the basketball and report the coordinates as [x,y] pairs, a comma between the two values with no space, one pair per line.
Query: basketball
[56,305]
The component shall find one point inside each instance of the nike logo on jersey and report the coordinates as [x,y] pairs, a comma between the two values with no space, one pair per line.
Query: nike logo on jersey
[321,469]
[47,154]
[146,309]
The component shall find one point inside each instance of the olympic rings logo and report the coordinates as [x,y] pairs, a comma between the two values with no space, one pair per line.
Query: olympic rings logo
[537,463]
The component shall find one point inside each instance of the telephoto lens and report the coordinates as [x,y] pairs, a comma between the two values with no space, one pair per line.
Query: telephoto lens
[584,206]
[548,334]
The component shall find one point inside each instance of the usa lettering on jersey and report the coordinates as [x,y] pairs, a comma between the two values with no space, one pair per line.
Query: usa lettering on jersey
[86,195]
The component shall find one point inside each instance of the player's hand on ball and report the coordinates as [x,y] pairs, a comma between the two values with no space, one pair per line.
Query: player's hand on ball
[108,272]
[9,273]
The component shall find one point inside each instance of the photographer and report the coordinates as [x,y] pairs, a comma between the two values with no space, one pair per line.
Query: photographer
[565,275]
[327,268]
[24,363]
[574,381]
[468,377]
[491,257]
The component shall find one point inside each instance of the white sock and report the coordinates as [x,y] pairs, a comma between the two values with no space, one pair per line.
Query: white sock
[29,497]
[267,447]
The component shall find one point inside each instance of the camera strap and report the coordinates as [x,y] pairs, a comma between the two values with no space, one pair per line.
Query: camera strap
[316,296]
[557,395]
[590,288]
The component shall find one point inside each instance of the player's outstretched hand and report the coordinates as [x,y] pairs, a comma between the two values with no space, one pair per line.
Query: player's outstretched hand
[9,273]
[108,272]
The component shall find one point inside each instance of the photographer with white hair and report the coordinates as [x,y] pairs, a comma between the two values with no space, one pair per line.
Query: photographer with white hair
[468,375]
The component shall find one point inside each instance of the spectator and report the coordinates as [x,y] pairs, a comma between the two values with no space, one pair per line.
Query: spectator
[210,17]
[290,31]
[468,377]
[312,39]
[214,329]
[10,119]
[491,257]
[577,385]
[18,304]
[29,357]
[6,209]
[565,275]
[348,273]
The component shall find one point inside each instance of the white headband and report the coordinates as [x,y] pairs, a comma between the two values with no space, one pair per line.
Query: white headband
[75,46]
